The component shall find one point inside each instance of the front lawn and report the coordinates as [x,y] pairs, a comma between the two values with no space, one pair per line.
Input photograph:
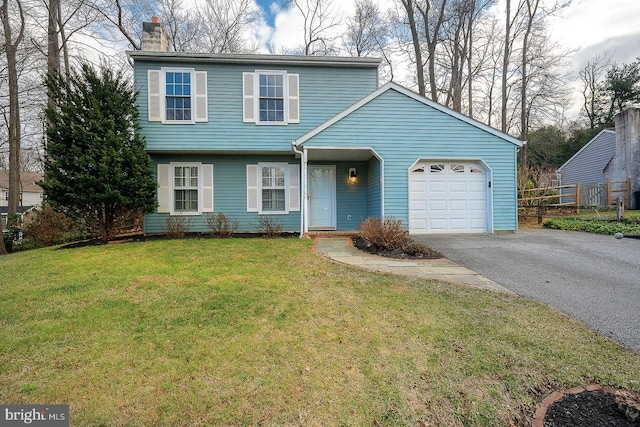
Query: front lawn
[238,332]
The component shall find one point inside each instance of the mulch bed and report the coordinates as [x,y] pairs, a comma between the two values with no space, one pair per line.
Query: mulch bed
[592,409]
[410,250]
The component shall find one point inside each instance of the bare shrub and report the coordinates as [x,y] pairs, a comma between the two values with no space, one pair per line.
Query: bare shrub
[177,226]
[46,226]
[220,224]
[269,226]
[386,233]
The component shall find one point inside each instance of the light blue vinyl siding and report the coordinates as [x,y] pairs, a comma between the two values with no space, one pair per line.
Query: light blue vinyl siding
[229,192]
[402,130]
[374,168]
[324,91]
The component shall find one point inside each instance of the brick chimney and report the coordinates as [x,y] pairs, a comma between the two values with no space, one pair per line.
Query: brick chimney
[153,36]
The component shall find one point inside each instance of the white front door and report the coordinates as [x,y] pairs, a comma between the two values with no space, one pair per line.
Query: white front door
[322,197]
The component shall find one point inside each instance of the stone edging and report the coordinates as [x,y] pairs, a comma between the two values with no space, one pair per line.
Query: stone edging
[541,409]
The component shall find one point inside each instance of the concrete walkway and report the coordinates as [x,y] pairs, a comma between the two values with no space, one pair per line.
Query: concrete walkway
[342,250]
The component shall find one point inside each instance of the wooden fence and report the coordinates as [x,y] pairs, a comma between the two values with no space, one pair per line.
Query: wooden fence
[579,196]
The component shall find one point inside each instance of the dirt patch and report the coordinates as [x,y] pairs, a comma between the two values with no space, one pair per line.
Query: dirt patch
[594,409]
[410,250]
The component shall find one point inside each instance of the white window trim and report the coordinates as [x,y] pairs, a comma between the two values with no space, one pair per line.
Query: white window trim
[285,166]
[285,96]
[172,188]
[163,94]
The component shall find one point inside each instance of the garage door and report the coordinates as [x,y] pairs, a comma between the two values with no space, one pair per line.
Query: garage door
[447,197]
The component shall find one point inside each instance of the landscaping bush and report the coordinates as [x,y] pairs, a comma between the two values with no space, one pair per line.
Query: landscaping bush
[386,233]
[221,225]
[627,226]
[269,226]
[177,226]
[46,226]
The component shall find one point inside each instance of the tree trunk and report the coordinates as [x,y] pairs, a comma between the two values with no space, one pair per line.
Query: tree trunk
[532,8]
[53,48]
[505,66]
[408,5]
[11,48]
[3,249]
[469,59]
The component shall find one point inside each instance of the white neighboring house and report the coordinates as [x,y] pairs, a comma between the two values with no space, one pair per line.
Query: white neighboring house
[30,193]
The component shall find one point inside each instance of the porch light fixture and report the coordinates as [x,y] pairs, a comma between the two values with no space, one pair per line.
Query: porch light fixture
[353,175]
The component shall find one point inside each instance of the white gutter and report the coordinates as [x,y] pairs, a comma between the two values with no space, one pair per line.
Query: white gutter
[303,178]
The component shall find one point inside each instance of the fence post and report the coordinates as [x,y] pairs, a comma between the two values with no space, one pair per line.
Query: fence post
[608,184]
[539,211]
[619,209]
[628,192]
[578,198]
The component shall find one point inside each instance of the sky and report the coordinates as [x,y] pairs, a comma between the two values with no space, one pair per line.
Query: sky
[585,28]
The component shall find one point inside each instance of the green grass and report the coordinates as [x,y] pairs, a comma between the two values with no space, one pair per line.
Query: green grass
[242,332]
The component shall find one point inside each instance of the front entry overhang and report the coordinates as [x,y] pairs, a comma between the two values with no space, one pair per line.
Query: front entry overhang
[328,155]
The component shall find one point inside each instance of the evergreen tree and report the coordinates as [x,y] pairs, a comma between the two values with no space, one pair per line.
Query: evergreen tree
[96,168]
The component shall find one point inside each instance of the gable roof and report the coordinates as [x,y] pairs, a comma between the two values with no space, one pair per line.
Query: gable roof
[584,147]
[28,181]
[426,101]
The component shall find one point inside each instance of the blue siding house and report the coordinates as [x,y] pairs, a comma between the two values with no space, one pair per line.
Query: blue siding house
[316,144]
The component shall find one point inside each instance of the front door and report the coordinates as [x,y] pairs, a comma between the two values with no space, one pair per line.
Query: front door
[322,197]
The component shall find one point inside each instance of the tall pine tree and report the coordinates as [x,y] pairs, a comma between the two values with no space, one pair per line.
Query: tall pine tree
[96,168]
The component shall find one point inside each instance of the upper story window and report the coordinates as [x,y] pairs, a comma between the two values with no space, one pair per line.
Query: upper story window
[270,97]
[177,95]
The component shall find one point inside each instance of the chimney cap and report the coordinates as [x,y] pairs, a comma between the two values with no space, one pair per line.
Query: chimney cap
[155,19]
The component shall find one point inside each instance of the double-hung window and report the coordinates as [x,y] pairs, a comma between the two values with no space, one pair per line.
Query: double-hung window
[273,188]
[178,96]
[270,97]
[271,104]
[185,189]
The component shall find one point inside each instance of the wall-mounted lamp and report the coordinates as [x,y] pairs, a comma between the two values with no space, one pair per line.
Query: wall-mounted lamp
[353,175]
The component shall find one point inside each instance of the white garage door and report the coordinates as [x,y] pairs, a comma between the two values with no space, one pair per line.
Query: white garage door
[447,197]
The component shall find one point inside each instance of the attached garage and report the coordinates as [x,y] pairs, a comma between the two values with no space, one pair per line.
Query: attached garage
[433,168]
[448,197]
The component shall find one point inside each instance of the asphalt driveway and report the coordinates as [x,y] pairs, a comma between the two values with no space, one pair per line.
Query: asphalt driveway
[592,277]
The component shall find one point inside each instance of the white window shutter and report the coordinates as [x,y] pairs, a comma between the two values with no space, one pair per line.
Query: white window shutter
[154,105]
[294,98]
[252,188]
[294,187]
[207,188]
[163,189]
[202,114]
[248,98]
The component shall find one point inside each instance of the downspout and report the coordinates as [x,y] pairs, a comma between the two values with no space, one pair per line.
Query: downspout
[303,181]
